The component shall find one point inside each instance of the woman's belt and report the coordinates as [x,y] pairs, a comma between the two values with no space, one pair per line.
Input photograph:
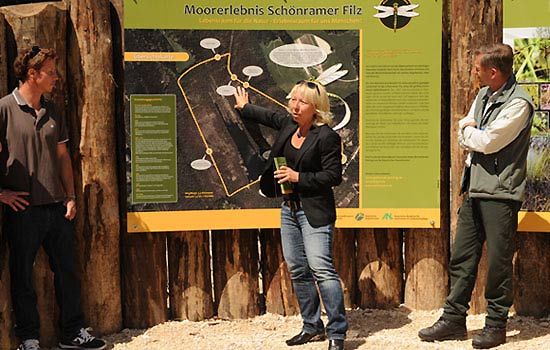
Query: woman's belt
[294,205]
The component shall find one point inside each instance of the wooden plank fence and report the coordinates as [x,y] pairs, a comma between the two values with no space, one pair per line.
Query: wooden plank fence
[140,280]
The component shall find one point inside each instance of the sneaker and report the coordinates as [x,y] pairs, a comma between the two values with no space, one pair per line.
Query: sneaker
[29,344]
[83,340]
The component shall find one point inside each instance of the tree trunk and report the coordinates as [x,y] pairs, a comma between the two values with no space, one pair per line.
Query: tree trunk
[481,24]
[380,268]
[532,275]
[43,25]
[277,285]
[189,276]
[236,285]
[3,57]
[119,8]
[426,276]
[144,281]
[91,87]
[427,251]
[346,264]
[7,339]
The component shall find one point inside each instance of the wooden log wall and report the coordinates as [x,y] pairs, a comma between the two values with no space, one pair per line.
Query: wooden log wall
[140,280]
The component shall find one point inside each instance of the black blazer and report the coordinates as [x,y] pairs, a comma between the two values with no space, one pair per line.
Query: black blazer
[318,161]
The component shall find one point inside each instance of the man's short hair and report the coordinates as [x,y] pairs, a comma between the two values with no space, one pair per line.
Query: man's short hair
[33,57]
[499,56]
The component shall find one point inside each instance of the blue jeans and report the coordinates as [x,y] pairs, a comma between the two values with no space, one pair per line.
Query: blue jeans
[26,231]
[308,255]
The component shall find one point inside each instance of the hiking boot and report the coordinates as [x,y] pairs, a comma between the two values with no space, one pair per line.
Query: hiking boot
[29,344]
[83,340]
[304,337]
[489,338]
[443,330]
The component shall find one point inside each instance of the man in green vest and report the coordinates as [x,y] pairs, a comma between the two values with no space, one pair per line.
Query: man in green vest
[496,133]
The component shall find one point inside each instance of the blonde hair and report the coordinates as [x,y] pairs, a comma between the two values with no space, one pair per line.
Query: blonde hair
[316,94]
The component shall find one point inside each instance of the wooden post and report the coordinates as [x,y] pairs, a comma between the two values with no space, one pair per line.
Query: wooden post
[236,284]
[344,256]
[380,268]
[277,285]
[93,145]
[427,251]
[532,274]
[119,8]
[426,259]
[7,338]
[144,280]
[189,276]
[44,25]
[481,24]
[4,64]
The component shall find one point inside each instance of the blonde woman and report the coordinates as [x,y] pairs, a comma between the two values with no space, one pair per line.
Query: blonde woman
[313,154]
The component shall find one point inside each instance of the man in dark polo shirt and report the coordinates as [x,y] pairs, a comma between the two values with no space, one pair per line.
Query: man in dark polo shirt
[37,188]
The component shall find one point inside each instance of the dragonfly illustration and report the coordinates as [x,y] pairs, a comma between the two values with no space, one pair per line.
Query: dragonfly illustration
[396,10]
[326,77]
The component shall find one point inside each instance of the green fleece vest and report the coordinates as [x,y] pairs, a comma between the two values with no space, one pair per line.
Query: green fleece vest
[501,175]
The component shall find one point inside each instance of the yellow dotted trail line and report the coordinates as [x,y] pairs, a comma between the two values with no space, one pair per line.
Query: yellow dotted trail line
[209,150]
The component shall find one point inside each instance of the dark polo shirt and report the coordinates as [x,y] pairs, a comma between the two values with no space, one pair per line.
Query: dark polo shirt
[28,161]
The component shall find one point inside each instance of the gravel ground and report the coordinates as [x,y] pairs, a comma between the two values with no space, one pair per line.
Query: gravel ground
[369,329]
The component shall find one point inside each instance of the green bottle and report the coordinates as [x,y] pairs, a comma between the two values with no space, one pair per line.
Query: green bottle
[286,187]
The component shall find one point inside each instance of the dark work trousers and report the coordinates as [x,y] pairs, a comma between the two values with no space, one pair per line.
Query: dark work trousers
[26,231]
[478,220]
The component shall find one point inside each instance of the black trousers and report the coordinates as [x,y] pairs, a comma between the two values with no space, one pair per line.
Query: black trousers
[26,231]
[480,220]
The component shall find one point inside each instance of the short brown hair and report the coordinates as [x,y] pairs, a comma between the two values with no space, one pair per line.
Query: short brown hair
[499,56]
[33,57]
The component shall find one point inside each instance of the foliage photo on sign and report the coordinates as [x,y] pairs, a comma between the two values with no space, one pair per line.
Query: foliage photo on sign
[532,59]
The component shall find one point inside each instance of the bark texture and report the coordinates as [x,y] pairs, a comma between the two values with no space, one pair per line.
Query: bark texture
[532,275]
[379,268]
[480,24]
[236,286]
[145,295]
[277,285]
[91,95]
[189,276]
[346,264]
